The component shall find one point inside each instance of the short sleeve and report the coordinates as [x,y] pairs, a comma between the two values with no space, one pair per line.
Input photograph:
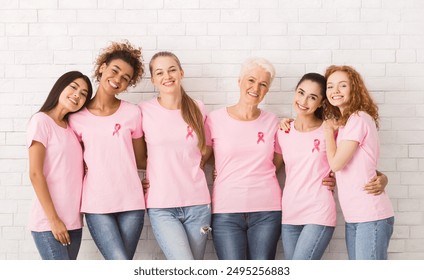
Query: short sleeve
[37,130]
[355,129]
[138,131]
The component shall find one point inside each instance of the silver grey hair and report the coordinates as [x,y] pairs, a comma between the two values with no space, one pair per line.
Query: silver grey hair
[253,62]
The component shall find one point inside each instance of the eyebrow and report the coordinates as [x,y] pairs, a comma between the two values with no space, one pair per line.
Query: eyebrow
[114,65]
[301,89]
[160,69]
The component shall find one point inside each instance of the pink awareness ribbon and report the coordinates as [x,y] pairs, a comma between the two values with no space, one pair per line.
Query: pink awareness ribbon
[117,128]
[189,132]
[260,137]
[316,145]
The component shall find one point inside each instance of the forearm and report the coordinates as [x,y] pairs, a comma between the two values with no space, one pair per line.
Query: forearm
[331,148]
[43,194]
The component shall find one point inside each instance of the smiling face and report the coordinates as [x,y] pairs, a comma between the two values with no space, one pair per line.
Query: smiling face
[254,85]
[166,74]
[74,95]
[339,89]
[307,98]
[115,76]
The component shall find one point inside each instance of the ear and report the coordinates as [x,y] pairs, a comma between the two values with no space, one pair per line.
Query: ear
[182,73]
[102,68]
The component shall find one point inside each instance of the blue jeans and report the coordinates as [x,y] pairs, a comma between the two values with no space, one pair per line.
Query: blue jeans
[369,240]
[181,232]
[116,234]
[241,236]
[51,249]
[305,242]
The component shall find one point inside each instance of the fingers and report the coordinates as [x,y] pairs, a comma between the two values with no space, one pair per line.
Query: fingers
[63,238]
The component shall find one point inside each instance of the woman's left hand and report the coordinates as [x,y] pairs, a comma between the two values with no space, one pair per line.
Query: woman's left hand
[330,181]
[376,185]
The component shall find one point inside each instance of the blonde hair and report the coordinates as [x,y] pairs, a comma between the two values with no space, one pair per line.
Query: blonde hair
[126,52]
[360,98]
[189,109]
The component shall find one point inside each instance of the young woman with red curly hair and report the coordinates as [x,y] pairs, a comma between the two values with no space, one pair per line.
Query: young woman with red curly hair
[353,157]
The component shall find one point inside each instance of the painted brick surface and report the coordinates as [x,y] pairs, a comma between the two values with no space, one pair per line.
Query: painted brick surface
[383,39]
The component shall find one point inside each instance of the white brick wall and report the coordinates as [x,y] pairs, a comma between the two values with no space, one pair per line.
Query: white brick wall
[383,39]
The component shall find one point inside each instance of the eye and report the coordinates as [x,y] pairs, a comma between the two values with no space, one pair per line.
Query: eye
[114,71]
[159,73]
[73,87]
[264,85]
[313,98]
[329,87]
[126,79]
[84,93]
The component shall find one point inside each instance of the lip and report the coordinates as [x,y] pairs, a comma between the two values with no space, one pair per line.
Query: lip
[113,85]
[253,94]
[337,97]
[301,107]
[73,100]
[168,83]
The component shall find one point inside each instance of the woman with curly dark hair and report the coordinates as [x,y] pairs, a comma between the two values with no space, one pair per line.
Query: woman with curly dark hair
[354,156]
[110,132]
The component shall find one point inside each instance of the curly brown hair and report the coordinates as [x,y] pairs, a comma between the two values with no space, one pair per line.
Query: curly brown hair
[125,51]
[360,98]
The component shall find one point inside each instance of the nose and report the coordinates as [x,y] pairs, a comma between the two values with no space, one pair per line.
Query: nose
[303,100]
[256,87]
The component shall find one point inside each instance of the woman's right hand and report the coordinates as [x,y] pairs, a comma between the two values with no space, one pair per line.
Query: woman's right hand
[146,184]
[285,124]
[60,232]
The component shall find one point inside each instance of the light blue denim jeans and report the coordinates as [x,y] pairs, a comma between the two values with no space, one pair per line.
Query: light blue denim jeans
[51,249]
[241,236]
[116,234]
[181,232]
[305,242]
[369,240]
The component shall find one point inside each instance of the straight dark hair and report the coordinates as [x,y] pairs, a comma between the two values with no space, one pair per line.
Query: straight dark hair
[322,82]
[61,83]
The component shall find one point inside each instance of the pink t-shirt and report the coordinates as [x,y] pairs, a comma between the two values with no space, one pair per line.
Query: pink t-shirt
[244,152]
[305,199]
[112,183]
[173,163]
[63,170]
[356,204]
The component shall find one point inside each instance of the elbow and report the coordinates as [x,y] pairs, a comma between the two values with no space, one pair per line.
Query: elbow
[335,167]
[35,176]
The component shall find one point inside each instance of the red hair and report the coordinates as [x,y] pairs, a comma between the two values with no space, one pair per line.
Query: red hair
[360,98]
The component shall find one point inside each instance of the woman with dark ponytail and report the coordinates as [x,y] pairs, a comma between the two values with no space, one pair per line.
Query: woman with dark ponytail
[178,199]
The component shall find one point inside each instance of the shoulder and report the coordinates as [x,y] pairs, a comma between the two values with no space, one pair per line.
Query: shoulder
[129,107]
[360,117]
[217,113]
[39,117]
[269,117]
[147,103]
[38,120]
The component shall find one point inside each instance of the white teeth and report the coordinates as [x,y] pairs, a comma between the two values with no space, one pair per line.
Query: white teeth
[73,100]
[113,85]
[253,94]
[337,97]
[168,83]
[302,107]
